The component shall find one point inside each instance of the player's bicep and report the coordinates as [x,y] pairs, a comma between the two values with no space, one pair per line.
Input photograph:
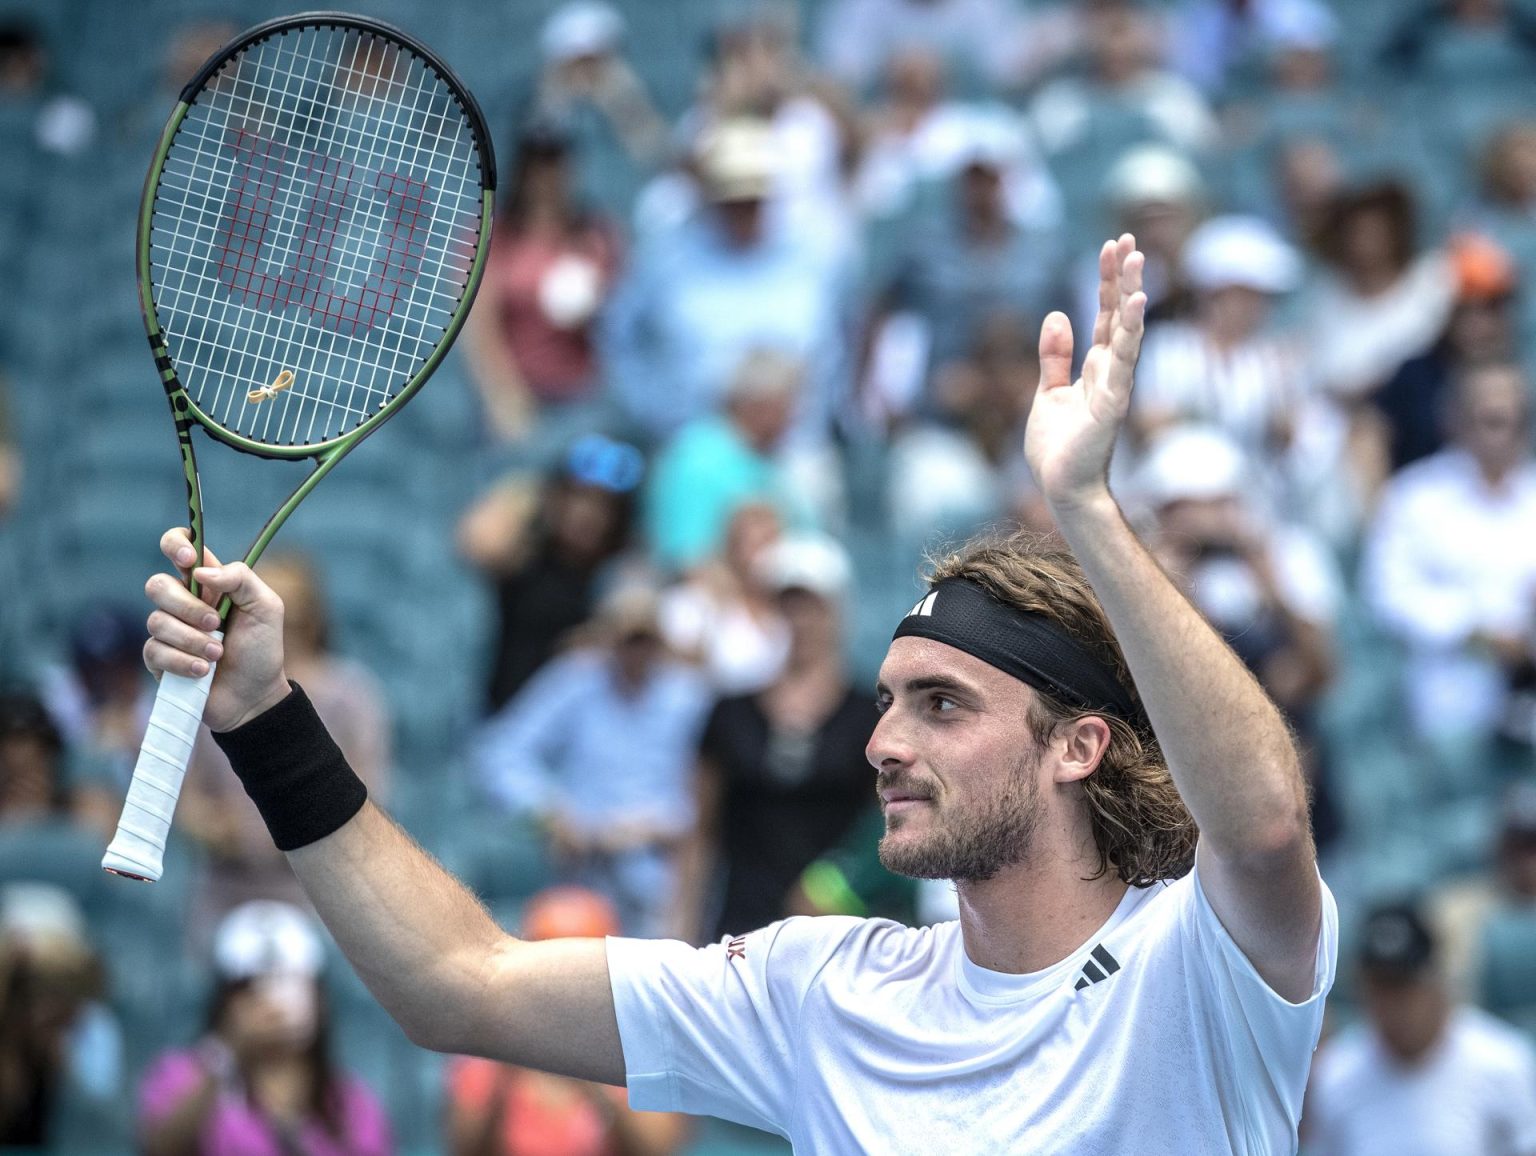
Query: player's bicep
[548,1005]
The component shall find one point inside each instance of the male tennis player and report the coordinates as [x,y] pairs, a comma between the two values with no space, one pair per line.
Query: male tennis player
[1096,995]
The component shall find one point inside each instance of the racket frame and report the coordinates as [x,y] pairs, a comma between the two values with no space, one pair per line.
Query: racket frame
[186,411]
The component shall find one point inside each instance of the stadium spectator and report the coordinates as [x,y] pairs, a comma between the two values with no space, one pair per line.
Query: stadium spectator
[918,137]
[552,264]
[697,299]
[1503,205]
[1384,299]
[781,774]
[718,461]
[1270,588]
[722,615]
[1473,42]
[240,863]
[35,781]
[546,547]
[1450,564]
[1486,921]
[61,1049]
[1225,367]
[1158,195]
[1121,97]
[500,1110]
[1215,42]
[976,258]
[1481,330]
[588,88]
[977,37]
[961,464]
[597,747]
[1228,367]
[1306,175]
[1422,1074]
[1506,984]
[261,1079]
[754,71]
[102,700]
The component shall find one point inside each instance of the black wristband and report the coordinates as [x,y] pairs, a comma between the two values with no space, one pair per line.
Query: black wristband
[294,772]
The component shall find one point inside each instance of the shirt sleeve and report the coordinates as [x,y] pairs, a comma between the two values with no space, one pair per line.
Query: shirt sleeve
[1266,1036]
[715,1030]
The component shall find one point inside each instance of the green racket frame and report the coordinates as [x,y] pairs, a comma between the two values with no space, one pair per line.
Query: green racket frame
[185,411]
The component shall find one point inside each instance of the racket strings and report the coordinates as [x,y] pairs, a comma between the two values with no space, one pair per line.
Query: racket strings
[318,214]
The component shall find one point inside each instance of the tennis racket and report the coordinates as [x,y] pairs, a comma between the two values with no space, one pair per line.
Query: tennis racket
[313,229]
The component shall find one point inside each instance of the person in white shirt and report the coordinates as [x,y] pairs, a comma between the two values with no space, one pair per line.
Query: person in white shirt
[1053,727]
[1421,1076]
[1450,561]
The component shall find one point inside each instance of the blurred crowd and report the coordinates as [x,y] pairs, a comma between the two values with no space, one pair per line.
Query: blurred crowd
[739,359]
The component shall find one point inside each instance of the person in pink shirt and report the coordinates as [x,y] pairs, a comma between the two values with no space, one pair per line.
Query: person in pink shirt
[550,269]
[260,1082]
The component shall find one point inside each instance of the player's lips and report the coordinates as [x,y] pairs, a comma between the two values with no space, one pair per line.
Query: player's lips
[902,800]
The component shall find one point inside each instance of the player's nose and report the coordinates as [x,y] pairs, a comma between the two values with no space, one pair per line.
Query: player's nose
[889,745]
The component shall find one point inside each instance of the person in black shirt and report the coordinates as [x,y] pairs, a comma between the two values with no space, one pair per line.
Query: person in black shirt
[782,773]
[544,550]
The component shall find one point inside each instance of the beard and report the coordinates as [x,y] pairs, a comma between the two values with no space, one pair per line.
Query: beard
[971,848]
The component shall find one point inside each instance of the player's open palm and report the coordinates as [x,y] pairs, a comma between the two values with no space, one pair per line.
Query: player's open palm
[249,676]
[1073,424]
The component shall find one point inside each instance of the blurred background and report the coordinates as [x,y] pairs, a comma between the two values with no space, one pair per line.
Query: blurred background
[598,615]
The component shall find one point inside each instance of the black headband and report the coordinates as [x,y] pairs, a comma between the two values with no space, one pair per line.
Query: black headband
[1031,648]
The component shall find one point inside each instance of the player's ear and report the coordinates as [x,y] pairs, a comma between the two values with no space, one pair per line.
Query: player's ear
[1080,747]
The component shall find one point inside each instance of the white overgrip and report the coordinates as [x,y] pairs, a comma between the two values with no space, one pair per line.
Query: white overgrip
[138,848]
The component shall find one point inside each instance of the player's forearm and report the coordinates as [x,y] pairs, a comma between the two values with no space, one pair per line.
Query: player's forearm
[1230,752]
[417,937]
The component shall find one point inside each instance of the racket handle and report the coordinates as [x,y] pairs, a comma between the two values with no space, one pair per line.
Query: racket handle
[138,848]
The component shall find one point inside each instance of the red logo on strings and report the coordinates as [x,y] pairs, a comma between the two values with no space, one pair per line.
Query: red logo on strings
[297,273]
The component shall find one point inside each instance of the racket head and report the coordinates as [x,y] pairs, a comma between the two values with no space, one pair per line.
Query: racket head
[312,232]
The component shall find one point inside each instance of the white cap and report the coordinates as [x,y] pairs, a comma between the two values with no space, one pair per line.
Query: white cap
[738,159]
[806,561]
[1153,174]
[1245,251]
[988,136]
[581,28]
[35,913]
[1187,463]
[266,937]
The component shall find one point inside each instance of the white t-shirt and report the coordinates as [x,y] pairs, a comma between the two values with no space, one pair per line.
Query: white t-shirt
[1155,1037]
[1473,1095]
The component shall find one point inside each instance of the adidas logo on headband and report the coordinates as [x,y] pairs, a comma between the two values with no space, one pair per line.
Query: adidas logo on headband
[924,607]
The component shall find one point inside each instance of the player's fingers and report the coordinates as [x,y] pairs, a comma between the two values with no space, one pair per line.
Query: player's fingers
[163,659]
[1127,341]
[1109,291]
[176,544]
[188,639]
[248,592]
[1131,270]
[1055,351]
[175,599]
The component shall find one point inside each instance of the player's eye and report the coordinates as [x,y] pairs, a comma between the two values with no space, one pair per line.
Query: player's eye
[882,703]
[944,704]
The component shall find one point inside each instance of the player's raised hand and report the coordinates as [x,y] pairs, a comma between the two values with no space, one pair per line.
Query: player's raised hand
[249,677]
[1073,424]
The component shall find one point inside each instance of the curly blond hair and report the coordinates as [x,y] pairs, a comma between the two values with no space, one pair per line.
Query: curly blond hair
[1141,827]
